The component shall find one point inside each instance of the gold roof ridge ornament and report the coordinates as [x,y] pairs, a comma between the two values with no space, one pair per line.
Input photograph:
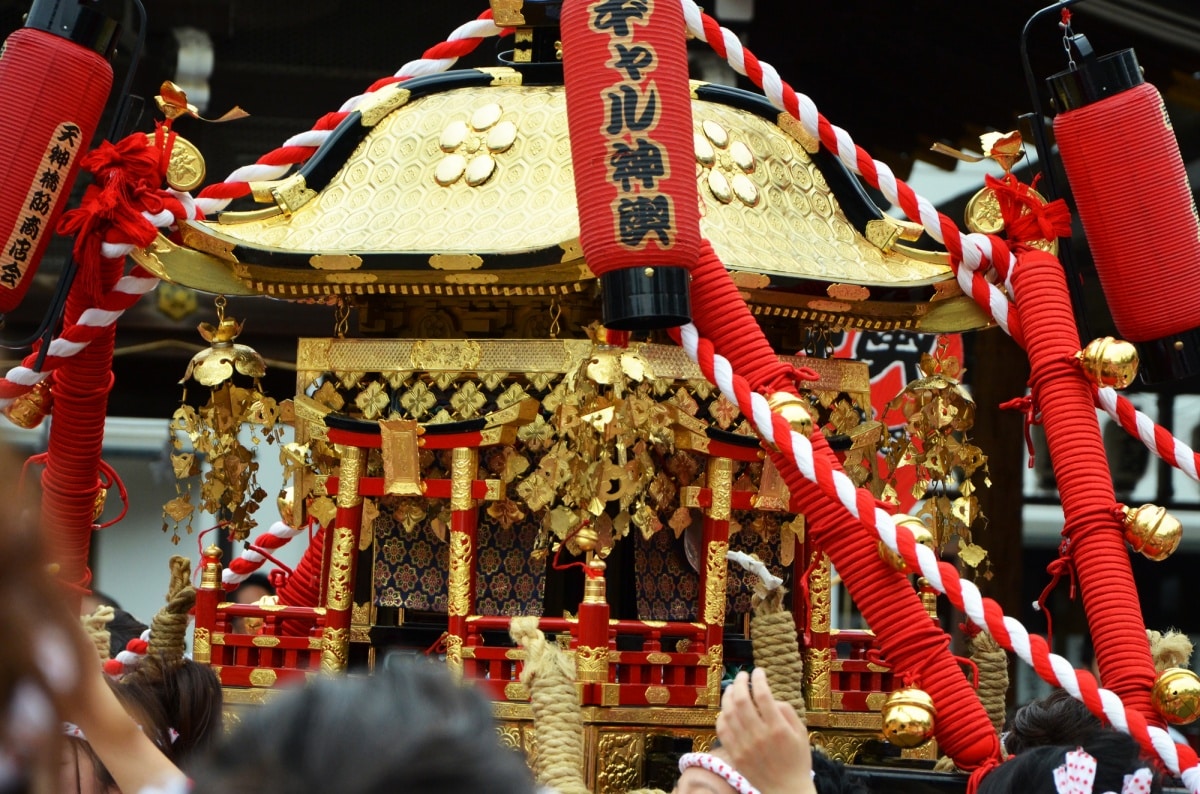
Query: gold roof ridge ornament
[461,187]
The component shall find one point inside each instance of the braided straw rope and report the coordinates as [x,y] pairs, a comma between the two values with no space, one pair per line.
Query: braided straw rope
[992,662]
[557,717]
[96,626]
[169,626]
[776,648]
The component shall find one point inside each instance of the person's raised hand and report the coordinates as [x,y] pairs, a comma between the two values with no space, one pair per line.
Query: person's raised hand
[764,738]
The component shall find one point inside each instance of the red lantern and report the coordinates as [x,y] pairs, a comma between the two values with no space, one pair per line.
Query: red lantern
[54,83]
[630,117]
[1131,190]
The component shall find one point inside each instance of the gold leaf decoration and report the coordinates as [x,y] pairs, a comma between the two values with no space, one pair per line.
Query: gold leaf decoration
[418,401]
[373,400]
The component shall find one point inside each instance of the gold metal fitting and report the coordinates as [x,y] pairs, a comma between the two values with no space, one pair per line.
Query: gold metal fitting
[594,587]
[1109,362]
[286,502]
[1152,531]
[1176,695]
[908,717]
[31,408]
[921,534]
[98,504]
[794,410]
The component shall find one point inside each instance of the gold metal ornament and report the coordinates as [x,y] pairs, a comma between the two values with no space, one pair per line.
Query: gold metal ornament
[908,717]
[31,408]
[1109,362]
[921,534]
[186,169]
[216,364]
[794,410]
[1176,695]
[228,483]
[1152,531]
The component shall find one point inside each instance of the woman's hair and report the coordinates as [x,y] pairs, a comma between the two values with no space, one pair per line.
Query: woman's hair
[1032,771]
[412,728]
[1057,718]
[184,701]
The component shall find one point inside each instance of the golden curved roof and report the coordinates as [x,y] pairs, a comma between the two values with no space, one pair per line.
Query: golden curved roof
[456,188]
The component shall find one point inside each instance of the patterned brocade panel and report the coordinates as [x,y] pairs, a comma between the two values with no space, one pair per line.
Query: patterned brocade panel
[410,568]
[668,586]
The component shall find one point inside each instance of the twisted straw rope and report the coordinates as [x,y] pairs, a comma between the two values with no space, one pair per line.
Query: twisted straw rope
[96,626]
[992,662]
[169,626]
[557,717]
[1169,649]
[776,648]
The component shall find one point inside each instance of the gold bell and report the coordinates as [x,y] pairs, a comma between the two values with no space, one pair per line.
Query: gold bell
[1152,531]
[1176,695]
[921,534]
[286,502]
[31,408]
[794,410]
[1109,362]
[908,717]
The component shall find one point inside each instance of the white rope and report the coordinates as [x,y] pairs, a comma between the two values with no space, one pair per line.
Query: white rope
[757,567]
[280,530]
[1064,674]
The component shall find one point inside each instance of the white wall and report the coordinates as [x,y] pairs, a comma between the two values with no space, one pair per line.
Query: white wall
[131,557]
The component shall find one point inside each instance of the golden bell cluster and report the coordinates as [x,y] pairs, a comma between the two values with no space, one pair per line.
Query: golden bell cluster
[1176,695]
[908,717]
[921,534]
[1152,531]
[1109,362]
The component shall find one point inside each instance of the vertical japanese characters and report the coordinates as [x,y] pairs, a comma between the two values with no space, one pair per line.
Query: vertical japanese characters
[629,107]
[44,194]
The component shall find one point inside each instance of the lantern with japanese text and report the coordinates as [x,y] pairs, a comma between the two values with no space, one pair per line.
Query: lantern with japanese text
[629,112]
[55,79]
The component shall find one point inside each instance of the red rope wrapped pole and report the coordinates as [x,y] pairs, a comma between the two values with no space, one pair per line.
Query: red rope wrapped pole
[1093,537]
[128,177]
[629,110]
[54,82]
[909,640]
[1119,151]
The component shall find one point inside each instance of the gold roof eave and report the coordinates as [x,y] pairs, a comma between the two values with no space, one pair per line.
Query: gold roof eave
[471,191]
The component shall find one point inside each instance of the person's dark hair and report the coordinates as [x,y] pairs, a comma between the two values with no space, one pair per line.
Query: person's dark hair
[1032,771]
[256,579]
[830,776]
[123,628]
[1057,718]
[189,699]
[410,728]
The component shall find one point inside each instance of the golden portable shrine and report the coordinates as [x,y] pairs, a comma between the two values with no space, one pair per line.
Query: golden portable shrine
[573,280]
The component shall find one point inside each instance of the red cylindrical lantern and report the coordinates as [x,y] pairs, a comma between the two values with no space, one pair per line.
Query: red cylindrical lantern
[630,116]
[1133,197]
[54,83]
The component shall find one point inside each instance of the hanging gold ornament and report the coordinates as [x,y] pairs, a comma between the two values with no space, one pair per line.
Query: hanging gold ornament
[908,717]
[1109,362]
[228,484]
[1176,695]
[31,408]
[1152,531]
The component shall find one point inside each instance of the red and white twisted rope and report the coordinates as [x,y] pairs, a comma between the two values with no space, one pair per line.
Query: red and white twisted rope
[250,560]
[299,148]
[975,251]
[1156,437]
[1032,649]
[93,322]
